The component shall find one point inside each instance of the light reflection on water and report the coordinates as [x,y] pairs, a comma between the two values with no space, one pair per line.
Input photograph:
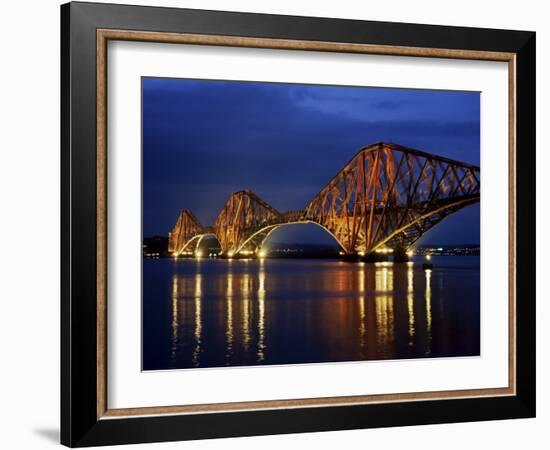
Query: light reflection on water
[229,314]
[210,313]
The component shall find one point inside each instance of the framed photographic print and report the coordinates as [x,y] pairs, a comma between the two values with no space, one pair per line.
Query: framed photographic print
[277,224]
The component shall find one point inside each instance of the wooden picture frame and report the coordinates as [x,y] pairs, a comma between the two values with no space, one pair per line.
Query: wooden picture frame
[86,418]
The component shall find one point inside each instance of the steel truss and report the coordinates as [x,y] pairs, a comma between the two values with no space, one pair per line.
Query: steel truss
[387,196]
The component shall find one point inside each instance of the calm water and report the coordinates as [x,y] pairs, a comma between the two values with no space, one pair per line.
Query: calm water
[213,312]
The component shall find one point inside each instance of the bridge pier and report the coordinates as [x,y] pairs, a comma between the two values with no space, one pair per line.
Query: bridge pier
[375,257]
[400,255]
[370,258]
[238,256]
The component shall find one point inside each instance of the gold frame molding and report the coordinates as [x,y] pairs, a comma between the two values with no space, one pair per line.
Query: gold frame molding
[105,35]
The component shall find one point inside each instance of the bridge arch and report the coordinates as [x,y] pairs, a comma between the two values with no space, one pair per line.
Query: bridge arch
[403,238]
[254,243]
[192,245]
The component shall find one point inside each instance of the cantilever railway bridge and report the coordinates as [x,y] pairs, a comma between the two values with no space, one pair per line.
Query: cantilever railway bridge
[386,198]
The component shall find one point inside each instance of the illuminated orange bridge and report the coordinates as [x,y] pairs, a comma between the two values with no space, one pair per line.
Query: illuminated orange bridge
[383,200]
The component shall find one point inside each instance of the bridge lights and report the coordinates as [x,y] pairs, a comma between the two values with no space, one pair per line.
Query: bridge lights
[410,253]
[198,254]
[261,254]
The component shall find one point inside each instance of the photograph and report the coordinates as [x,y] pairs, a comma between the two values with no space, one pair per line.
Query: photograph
[299,223]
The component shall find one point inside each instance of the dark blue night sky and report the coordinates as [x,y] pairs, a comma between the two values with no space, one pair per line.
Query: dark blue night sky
[203,140]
